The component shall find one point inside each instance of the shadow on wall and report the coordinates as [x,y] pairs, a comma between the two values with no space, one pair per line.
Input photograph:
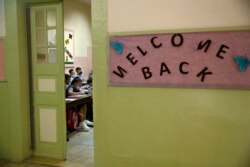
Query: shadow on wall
[1,61]
[247,2]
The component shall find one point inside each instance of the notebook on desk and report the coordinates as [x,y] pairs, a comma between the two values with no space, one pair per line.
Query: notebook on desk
[68,99]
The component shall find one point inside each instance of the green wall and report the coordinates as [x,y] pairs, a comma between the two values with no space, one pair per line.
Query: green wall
[4,117]
[15,102]
[164,127]
[134,127]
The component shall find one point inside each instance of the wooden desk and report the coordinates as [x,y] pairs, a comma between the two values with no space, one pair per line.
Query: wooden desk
[72,101]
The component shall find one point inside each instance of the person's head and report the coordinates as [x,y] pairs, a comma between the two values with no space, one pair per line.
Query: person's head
[67,79]
[78,70]
[77,82]
[89,81]
[71,72]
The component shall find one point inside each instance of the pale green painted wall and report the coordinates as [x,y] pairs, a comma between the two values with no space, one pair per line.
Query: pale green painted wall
[14,99]
[164,127]
[186,127]
[16,139]
[4,117]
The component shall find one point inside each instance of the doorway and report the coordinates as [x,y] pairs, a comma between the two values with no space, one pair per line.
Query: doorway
[75,11]
[78,46]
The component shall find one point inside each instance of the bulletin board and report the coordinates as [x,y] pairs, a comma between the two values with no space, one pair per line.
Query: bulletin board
[69,47]
[218,59]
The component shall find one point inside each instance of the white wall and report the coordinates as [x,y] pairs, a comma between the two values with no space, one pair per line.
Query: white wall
[142,15]
[77,17]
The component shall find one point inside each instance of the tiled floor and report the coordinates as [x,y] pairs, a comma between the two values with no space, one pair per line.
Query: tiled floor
[81,148]
[80,154]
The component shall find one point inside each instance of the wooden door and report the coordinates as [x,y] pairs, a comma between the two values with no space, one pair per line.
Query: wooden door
[48,80]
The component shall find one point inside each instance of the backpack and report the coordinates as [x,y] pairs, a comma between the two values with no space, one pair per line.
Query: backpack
[72,118]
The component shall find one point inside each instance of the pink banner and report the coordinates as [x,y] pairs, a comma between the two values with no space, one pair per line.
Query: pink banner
[205,59]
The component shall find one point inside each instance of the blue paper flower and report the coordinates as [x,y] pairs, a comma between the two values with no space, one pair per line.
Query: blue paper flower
[117,46]
[242,61]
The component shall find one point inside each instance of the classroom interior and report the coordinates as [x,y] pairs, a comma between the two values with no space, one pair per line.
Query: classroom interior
[134,126]
[78,39]
[80,147]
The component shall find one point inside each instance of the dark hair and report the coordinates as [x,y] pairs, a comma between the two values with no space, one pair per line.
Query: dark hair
[76,79]
[71,70]
[78,68]
[89,80]
[67,76]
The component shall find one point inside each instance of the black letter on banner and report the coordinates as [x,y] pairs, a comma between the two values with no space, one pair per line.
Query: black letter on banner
[164,68]
[173,40]
[131,59]
[181,67]
[204,73]
[221,50]
[141,51]
[121,72]
[153,43]
[202,45]
[146,72]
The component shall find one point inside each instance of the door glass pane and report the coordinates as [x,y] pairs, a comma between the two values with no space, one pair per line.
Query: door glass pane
[52,37]
[52,55]
[51,18]
[41,37]
[40,19]
[41,55]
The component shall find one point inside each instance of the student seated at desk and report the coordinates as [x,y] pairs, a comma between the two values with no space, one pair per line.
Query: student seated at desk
[74,89]
[89,88]
[72,74]
[79,73]
[67,81]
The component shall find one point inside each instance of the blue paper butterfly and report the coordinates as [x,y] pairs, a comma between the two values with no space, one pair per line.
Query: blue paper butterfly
[117,46]
[242,61]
